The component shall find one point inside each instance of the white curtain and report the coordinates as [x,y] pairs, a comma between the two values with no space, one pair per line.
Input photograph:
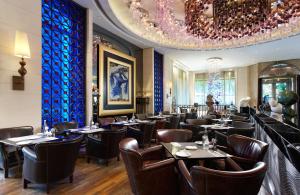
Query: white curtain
[180,86]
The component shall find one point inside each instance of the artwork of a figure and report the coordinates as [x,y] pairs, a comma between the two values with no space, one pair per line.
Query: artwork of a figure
[119,82]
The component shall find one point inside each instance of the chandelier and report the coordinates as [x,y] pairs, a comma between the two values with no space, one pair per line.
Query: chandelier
[216,24]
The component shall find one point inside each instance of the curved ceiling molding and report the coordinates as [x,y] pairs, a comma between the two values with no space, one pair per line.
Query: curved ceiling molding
[131,19]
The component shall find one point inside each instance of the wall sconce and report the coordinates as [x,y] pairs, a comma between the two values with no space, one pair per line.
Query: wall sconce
[170,92]
[22,50]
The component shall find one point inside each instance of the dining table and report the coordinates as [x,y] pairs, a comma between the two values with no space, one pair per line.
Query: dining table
[158,117]
[86,130]
[216,127]
[28,140]
[195,151]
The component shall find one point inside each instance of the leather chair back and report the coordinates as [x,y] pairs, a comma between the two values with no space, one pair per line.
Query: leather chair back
[66,125]
[57,158]
[10,132]
[147,129]
[248,132]
[110,140]
[173,123]
[242,125]
[174,135]
[121,118]
[247,147]
[157,178]
[106,121]
[132,160]
[197,121]
[207,181]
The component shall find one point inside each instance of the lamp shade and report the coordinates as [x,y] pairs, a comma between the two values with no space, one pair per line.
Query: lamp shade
[22,45]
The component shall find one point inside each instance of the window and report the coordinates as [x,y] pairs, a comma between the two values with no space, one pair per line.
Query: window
[220,85]
[63,62]
[180,86]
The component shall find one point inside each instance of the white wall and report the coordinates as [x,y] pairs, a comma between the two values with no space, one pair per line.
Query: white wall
[191,84]
[24,107]
[20,107]
[168,79]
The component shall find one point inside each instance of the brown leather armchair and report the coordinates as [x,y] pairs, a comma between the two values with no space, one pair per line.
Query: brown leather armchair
[61,127]
[204,181]
[149,173]
[246,151]
[174,135]
[143,134]
[10,156]
[106,147]
[222,136]
[50,162]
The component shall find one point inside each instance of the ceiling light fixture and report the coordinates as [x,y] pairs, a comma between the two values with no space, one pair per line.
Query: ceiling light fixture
[216,24]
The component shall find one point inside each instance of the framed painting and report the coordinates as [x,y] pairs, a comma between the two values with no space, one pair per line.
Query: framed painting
[117,77]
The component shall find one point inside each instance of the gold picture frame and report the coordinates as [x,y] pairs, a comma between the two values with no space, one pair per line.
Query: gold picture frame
[117,82]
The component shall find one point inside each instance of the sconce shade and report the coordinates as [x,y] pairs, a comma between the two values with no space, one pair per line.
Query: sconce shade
[22,45]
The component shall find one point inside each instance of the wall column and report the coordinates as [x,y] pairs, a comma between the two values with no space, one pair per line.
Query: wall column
[89,66]
[148,76]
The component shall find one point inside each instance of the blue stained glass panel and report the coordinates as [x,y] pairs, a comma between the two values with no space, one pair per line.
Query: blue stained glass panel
[63,62]
[158,82]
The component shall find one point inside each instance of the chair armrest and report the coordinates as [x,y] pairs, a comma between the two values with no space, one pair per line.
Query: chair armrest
[244,162]
[134,131]
[159,165]
[29,153]
[224,149]
[231,165]
[153,153]
[185,173]
[94,140]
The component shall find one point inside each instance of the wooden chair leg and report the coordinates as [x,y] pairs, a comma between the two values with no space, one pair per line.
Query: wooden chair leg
[118,157]
[106,162]
[88,160]
[25,183]
[71,179]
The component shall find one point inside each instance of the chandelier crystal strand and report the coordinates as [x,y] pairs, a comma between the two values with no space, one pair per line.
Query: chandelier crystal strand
[278,20]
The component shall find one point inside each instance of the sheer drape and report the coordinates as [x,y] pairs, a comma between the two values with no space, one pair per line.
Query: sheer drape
[180,86]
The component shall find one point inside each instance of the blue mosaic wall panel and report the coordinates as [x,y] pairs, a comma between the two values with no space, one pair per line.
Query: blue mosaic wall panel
[63,62]
[158,82]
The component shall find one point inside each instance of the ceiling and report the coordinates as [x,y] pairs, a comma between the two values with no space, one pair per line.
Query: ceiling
[195,60]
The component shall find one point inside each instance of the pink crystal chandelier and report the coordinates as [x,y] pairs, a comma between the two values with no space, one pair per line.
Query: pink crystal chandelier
[232,23]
